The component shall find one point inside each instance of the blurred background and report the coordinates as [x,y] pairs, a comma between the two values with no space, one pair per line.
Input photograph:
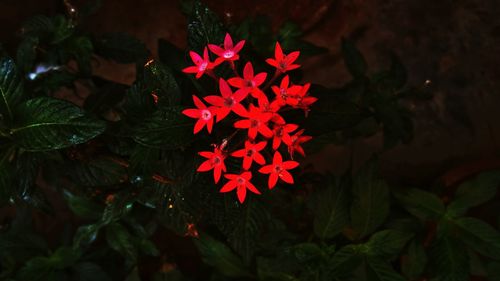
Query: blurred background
[452,47]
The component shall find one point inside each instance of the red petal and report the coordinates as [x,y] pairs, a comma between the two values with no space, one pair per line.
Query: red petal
[276,142]
[277,159]
[248,71]
[265,131]
[290,165]
[290,58]
[224,88]
[239,109]
[199,74]
[216,50]
[195,57]
[205,55]
[260,145]
[240,95]
[231,176]
[222,113]
[229,186]
[252,132]
[214,100]
[236,82]
[239,46]
[241,192]
[206,154]
[278,52]
[273,179]
[259,158]
[198,126]
[205,166]
[210,124]
[198,102]
[290,128]
[246,175]
[285,82]
[228,42]
[259,78]
[292,67]
[242,124]
[286,177]
[266,169]
[217,173]
[252,188]
[247,162]
[191,112]
[239,153]
[272,62]
[190,69]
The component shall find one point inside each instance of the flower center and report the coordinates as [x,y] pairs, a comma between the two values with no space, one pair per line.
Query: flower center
[228,54]
[279,131]
[216,160]
[278,169]
[254,123]
[250,83]
[250,152]
[240,181]
[203,66]
[206,114]
[228,102]
[283,64]
[283,93]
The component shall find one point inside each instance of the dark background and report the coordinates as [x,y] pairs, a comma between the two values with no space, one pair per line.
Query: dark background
[453,45]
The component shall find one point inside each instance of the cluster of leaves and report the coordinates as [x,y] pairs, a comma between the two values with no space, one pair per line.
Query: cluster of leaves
[122,159]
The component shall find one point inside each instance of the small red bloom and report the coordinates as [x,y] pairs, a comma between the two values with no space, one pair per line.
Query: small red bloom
[204,115]
[215,161]
[201,64]
[278,169]
[241,183]
[305,101]
[282,132]
[227,102]
[230,52]
[251,153]
[250,83]
[256,122]
[295,143]
[283,62]
[285,94]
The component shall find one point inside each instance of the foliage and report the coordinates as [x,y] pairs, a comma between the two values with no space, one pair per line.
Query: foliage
[123,164]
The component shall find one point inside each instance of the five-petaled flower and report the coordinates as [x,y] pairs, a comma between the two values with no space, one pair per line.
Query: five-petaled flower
[201,64]
[282,133]
[227,102]
[278,169]
[251,153]
[204,114]
[229,52]
[256,122]
[282,62]
[215,161]
[295,143]
[250,83]
[285,94]
[241,183]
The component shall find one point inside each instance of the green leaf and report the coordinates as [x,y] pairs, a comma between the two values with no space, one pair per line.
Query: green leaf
[80,48]
[218,255]
[161,80]
[148,247]
[345,261]
[204,27]
[370,205]
[45,124]
[474,192]
[122,48]
[246,232]
[120,240]
[26,53]
[422,204]
[353,59]
[307,252]
[54,29]
[85,235]
[480,236]
[38,268]
[387,243]
[380,270]
[414,261]
[83,207]
[88,271]
[64,257]
[11,88]
[5,180]
[493,271]
[166,129]
[449,259]
[98,172]
[331,209]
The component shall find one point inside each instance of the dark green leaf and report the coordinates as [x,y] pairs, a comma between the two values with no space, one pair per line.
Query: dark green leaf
[5,179]
[87,271]
[98,172]
[415,260]
[64,257]
[449,259]
[387,243]
[353,59]
[494,271]
[11,88]
[161,80]
[54,30]
[122,48]
[331,209]
[221,257]
[380,270]
[85,235]
[422,204]
[38,268]
[26,54]
[148,247]
[474,192]
[83,207]
[204,27]
[46,124]
[345,261]
[120,240]
[166,129]
[370,205]
[480,236]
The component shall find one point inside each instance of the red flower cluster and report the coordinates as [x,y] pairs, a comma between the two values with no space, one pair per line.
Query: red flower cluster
[257,115]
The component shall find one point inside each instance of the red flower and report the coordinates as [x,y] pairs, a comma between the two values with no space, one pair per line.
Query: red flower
[256,122]
[227,102]
[230,52]
[305,101]
[201,64]
[283,62]
[251,153]
[249,83]
[282,132]
[241,183]
[215,161]
[295,143]
[278,169]
[285,94]
[204,115]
